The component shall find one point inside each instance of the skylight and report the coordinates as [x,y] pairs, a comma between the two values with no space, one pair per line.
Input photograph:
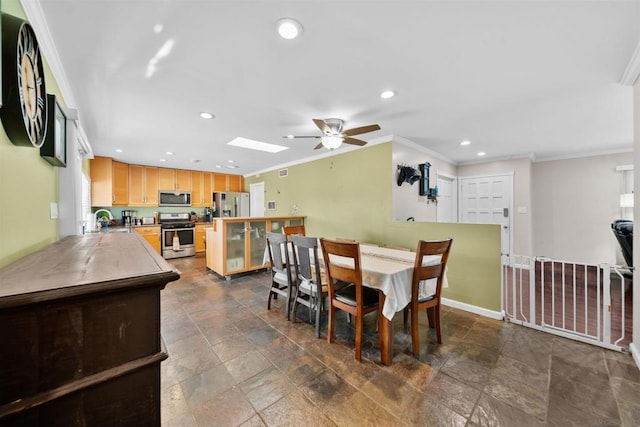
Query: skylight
[256,145]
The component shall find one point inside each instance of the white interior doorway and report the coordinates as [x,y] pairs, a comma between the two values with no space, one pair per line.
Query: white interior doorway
[256,199]
[487,200]
[447,209]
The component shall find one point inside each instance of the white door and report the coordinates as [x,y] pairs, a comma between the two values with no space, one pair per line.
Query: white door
[447,208]
[256,199]
[487,200]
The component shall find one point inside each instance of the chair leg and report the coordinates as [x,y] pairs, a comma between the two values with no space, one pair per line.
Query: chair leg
[318,312]
[437,322]
[310,304]
[331,325]
[430,316]
[288,304]
[359,337]
[415,336]
[269,299]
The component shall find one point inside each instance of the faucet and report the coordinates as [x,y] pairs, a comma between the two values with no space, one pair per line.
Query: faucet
[95,217]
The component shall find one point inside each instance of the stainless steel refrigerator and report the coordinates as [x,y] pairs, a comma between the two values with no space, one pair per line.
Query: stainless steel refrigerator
[230,204]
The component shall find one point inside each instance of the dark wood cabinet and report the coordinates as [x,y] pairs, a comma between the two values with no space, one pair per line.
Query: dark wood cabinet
[80,333]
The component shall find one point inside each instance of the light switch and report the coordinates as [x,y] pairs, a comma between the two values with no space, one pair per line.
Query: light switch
[522,209]
[53,208]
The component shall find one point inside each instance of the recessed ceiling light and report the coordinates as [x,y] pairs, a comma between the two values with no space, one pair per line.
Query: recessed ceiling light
[157,28]
[482,153]
[206,115]
[195,161]
[169,153]
[387,94]
[231,166]
[465,143]
[289,28]
[118,150]
[218,166]
[290,136]
[163,160]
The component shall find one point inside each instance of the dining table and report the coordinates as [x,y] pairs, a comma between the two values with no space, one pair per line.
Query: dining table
[390,271]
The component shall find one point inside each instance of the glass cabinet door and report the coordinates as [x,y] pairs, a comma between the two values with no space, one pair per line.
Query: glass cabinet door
[276,226]
[258,242]
[294,222]
[235,246]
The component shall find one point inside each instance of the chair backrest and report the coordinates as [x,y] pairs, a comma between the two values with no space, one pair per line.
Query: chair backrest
[276,242]
[341,239]
[291,230]
[420,272]
[305,254]
[348,271]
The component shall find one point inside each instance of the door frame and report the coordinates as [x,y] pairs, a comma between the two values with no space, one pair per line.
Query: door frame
[454,196]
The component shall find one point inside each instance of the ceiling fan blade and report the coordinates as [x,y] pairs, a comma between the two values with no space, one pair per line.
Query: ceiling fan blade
[322,126]
[317,147]
[301,136]
[362,129]
[354,141]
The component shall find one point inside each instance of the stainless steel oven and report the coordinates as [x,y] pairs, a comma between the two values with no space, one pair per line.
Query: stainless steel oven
[178,235]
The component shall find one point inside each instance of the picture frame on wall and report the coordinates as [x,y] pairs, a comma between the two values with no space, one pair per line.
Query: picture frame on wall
[54,148]
[271,205]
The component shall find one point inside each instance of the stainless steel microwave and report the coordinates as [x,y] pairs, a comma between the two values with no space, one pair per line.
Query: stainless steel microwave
[173,198]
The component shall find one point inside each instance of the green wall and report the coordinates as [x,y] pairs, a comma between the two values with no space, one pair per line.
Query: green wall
[349,195]
[28,185]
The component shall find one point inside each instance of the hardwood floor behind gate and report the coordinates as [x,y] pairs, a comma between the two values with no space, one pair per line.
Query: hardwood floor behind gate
[572,294]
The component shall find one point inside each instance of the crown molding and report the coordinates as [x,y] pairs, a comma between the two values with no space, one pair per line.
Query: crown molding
[632,73]
[37,20]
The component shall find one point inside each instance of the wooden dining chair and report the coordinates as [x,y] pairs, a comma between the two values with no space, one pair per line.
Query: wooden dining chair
[356,299]
[291,230]
[281,274]
[430,303]
[312,288]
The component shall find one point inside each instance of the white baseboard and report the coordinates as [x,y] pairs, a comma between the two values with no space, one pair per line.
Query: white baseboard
[635,353]
[498,315]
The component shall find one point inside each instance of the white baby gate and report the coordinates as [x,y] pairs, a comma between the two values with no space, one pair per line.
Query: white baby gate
[584,302]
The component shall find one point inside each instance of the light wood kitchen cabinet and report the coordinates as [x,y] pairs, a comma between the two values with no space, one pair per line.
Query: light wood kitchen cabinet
[225,182]
[174,179]
[237,245]
[151,234]
[143,185]
[109,182]
[200,237]
[201,188]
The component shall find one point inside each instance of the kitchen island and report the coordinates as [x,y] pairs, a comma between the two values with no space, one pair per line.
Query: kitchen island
[237,244]
[81,333]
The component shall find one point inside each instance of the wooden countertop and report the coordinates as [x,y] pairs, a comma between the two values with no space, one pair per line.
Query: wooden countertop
[76,265]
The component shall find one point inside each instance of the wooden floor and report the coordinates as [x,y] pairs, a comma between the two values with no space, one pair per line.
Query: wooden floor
[572,294]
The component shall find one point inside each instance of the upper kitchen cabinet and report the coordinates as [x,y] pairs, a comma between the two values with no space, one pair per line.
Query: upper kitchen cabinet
[109,182]
[224,182]
[174,179]
[201,188]
[143,185]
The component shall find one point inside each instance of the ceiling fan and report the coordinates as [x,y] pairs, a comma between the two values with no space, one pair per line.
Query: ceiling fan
[334,136]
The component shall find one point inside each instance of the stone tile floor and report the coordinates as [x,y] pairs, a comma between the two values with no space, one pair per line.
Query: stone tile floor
[233,362]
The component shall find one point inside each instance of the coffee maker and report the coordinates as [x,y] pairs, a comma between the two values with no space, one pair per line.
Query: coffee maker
[206,215]
[127,217]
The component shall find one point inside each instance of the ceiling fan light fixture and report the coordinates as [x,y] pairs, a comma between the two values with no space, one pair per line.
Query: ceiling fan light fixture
[289,28]
[331,141]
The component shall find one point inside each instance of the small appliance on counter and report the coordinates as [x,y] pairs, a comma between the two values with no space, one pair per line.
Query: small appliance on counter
[206,215]
[128,217]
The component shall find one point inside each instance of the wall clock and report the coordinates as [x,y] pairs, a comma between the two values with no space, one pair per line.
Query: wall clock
[24,109]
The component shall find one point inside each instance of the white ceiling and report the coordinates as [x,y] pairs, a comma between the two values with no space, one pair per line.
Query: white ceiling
[534,78]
